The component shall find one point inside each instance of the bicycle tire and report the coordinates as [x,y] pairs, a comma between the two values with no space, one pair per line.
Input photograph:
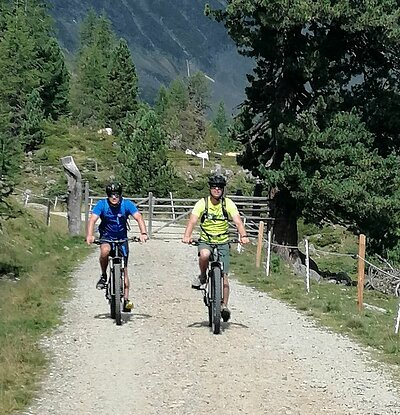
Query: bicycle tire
[111,295]
[210,314]
[216,293]
[117,293]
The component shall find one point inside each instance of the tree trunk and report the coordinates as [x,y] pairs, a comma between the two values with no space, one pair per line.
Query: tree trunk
[285,224]
[285,233]
[74,199]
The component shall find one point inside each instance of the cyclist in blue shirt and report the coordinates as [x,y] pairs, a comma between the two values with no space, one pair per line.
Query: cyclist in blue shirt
[114,213]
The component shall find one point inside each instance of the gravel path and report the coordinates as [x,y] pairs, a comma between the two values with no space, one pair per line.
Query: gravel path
[164,359]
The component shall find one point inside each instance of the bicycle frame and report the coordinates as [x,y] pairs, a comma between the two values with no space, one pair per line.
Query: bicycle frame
[213,289]
[115,286]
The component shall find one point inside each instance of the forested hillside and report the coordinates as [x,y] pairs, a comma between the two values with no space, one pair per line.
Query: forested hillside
[319,128]
[47,112]
[163,36]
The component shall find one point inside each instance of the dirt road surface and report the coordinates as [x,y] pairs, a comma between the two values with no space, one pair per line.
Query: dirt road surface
[164,360]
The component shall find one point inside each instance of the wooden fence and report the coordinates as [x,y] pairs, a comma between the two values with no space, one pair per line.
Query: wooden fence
[166,216]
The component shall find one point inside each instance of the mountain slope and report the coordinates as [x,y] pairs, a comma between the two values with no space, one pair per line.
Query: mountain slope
[165,37]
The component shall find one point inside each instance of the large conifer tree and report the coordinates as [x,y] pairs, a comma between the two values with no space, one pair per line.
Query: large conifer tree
[87,95]
[54,81]
[19,61]
[32,135]
[143,155]
[325,83]
[121,86]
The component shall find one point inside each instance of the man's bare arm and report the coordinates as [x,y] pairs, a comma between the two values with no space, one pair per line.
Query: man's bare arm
[187,236]
[237,220]
[90,228]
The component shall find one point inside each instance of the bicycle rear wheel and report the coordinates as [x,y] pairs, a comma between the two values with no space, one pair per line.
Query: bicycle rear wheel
[216,293]
[117,293]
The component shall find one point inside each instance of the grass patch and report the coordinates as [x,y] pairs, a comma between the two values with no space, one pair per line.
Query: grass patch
[332,305]
[35,266]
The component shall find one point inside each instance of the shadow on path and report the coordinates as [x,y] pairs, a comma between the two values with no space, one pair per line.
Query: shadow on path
[223,325]
[125,316]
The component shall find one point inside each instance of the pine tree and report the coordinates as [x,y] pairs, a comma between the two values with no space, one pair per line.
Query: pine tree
[143,155]
[221,124]
[10,155]
[33,60]
[87,95]
[31,131]
[121,86]
[4,12]
[199,92]
[324,86]
[18,52]
[178,95]
[87,30]
[220,121]
[54,81]
[162,102]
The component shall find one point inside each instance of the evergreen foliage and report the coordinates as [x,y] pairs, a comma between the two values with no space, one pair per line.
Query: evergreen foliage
[320,121]
[32,135]
[199,92]
[182,110]
[143,155]
[18,52]
[121,86]
[222,124]
[87,95]
[54,81]
[10,155]
[162,101]
[87,30]
[34,82]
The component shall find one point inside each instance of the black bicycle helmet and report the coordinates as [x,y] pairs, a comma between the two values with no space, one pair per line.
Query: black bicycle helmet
[217,180]
[113,188]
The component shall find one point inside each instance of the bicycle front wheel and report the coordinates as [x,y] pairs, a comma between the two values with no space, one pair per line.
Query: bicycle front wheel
[111,294]
[117,293]
[216,294]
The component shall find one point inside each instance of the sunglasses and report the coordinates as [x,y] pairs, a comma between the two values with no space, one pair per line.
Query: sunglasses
[216,187]
[115,195]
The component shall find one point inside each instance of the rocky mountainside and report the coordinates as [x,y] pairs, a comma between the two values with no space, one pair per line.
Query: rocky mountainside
[167,38]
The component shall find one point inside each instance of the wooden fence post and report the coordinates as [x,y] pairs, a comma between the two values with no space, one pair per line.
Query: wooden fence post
[27,193]
[172,206]
[74,199]
[267,266]
[150,221]
[396,327]
[48,212]
[259,243]
[361,271]
[86,201]
[307,266]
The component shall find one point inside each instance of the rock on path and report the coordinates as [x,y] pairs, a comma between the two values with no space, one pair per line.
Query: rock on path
[164,359]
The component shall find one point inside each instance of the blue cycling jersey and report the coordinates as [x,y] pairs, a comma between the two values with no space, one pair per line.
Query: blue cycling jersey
[114,218]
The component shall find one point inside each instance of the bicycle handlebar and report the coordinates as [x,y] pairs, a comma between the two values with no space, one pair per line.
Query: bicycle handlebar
[116,241]
[229,241]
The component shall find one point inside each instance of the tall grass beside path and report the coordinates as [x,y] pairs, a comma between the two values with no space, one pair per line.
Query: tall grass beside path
[35,266]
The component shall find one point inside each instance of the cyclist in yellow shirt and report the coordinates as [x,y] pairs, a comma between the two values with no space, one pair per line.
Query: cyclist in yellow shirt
[214,212]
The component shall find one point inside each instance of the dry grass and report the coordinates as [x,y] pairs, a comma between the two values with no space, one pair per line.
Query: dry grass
[35,263]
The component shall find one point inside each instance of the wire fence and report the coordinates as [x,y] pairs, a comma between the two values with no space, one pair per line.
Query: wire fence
[375,278]
[180,208]
[43,203]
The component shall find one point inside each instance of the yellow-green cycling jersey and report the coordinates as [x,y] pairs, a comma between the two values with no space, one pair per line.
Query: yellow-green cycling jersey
[214,228]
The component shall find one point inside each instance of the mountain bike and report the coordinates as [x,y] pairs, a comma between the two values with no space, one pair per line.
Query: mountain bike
[213,288]
[114,291]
